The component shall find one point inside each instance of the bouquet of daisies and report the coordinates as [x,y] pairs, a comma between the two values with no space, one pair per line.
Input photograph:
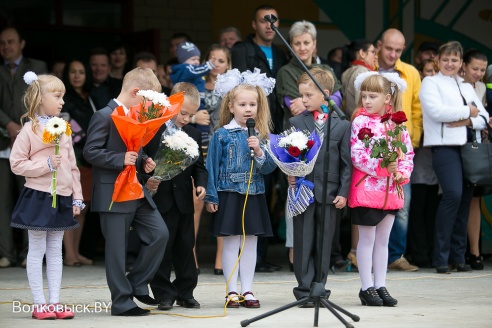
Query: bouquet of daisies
[176,152]
[295,153]
[53,131]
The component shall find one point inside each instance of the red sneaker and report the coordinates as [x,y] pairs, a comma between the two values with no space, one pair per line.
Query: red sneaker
[61,311]
[41,312]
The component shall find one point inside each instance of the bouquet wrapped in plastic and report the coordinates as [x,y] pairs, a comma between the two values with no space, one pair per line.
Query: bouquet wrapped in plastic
[295,153]
[136,129]
[176,152]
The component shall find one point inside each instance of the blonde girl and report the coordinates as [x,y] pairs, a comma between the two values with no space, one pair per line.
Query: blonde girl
[229,162]
[373,198]
[34,211]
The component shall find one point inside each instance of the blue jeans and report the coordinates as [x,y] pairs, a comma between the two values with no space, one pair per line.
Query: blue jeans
[398,238]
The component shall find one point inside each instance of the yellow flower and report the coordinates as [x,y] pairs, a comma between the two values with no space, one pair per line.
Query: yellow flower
[48,137]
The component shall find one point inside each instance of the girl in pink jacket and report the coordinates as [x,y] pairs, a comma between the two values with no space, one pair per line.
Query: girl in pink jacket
[374,198]
[45,209]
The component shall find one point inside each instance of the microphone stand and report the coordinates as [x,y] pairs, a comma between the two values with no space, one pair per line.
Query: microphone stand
[317,293]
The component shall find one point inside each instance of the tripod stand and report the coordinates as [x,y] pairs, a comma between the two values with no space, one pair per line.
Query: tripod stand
[317,293]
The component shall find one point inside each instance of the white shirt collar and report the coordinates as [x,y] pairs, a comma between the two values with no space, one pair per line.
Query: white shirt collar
[121,104]
[233,125]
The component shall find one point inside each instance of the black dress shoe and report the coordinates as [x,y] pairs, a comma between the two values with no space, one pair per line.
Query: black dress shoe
[386,297]
[133,312]
[264,267]
[165,305]
[218,272]
[443,269]
[307,305]
[370,297]
[275,267]
[146,299]
[462,267]
[190,303]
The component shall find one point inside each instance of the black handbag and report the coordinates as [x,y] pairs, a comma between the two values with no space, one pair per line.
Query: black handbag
[476,160]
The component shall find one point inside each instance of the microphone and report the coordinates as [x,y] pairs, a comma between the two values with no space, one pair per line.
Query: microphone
[250,124]
[270,18]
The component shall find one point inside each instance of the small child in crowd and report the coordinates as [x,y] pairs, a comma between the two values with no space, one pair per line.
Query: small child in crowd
[34,211]
[374,199]
[228,163]
[174,199]
[306,229]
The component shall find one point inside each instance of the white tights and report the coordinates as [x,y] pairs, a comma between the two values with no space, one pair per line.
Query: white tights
[372,252]
[41,243]
[247,263]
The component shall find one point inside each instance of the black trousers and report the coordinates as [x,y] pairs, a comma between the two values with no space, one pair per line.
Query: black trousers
[422,219]
[179,254]
[450,233]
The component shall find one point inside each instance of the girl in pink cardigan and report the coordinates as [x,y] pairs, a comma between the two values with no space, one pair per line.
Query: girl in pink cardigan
[35,210]
[373,193]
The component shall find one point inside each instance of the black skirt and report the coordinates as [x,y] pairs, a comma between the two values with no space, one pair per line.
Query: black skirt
[227,220]
[34,211]
[366,216]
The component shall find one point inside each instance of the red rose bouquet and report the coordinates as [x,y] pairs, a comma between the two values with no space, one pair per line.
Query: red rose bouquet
[390,147]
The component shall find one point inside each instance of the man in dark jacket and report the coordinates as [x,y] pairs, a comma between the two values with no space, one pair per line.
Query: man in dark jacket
[12,88]
[259,51]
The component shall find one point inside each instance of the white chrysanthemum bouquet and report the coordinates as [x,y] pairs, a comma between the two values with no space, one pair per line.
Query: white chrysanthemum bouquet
[176,152]
[295,153]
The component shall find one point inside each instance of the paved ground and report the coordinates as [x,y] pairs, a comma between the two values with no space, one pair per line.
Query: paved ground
[426,299]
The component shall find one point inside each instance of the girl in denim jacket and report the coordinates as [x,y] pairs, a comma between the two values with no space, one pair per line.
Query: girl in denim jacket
[228,162]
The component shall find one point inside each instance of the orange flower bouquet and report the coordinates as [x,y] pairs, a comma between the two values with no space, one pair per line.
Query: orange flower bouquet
[137,129]
[53,130]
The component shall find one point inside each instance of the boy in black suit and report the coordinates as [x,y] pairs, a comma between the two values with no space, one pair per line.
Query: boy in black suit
[108,154]
[174,199]
[306,229]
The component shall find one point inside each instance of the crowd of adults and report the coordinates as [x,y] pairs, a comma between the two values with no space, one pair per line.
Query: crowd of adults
[431,229]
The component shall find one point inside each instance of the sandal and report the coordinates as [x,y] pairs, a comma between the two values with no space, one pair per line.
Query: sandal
[476,262]
[232,301]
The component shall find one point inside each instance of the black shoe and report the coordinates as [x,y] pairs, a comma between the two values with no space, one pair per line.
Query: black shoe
[146,299]
[165,305]
[386,297]
[218,272]
[264,267]
[443,269]
[370,297]
[133,312]
[340,266]
[190,303]
[462,267]
[475,262]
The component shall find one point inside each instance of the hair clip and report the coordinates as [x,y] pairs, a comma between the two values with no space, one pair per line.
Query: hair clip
[30,77]
[232,78]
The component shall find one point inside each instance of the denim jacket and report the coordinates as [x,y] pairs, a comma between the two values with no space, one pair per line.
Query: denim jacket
[228,164]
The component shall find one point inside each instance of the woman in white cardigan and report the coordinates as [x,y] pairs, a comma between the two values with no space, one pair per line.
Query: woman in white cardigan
[450,109]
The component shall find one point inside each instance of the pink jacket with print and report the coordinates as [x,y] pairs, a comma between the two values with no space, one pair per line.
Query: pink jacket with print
[371,185]
[29,158]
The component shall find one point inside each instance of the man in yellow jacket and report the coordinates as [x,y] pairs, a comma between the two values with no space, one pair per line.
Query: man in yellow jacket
[390,48]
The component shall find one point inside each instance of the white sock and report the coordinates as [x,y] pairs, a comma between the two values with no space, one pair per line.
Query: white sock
[54,264]
[229,257]
[380,256]
[365,247]
[247,265]
[34,267]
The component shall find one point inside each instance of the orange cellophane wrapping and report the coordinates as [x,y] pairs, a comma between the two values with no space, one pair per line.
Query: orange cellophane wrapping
[135,135]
